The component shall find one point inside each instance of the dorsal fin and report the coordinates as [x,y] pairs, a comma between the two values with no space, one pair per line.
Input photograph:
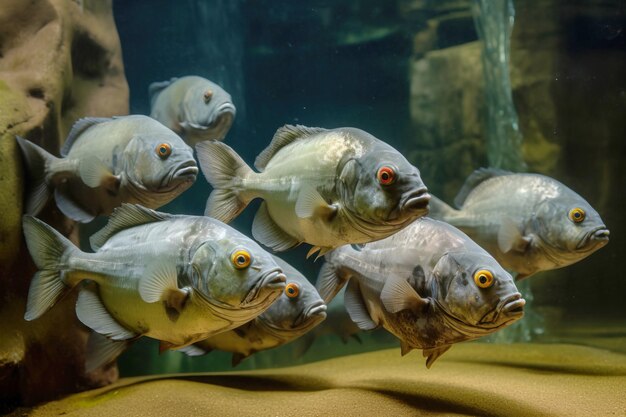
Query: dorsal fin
[283,137]
[124,217]
[78,128]
[155,89]
[477,177]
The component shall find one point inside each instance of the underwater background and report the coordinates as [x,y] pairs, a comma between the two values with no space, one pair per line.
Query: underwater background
[410,73]
[446,82]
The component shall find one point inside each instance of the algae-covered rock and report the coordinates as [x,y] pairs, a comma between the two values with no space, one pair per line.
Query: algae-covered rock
[59,61]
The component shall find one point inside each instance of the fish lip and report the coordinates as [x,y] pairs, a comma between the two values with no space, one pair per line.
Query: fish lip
[186,172]
[416,202]
[227,107]
[273,280]
[596,237]
[316,309]
[509,309]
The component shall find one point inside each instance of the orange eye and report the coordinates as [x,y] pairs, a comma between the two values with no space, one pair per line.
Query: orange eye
[292,290]
[241,259]
[208,94]
[576,215]
[164,150]
[386,175]
[483,278]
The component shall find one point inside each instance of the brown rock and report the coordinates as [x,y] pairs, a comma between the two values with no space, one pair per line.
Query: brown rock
[59,61]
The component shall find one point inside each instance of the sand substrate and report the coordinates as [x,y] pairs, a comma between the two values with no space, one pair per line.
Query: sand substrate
[471,379]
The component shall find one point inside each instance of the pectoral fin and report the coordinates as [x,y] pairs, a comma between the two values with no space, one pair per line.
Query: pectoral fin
[161,284]
[398,295]
[510,238]
[433,354]
[355,306]
[310,203]
[94,173]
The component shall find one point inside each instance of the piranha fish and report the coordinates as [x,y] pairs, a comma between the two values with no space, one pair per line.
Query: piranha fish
[178,279]
[429,285]
[194,107]
[324,187]
[528,222]
[107,162]
[298,310]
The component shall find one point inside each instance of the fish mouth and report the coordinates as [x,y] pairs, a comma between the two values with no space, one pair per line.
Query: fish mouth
[508,310]
[416,202]
[182,173]
[227,107]
[313,314]
[513,306]
[273,280]
[594,239]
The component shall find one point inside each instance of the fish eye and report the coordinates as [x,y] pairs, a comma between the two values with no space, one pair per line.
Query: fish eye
[576,215]
[164,150]
[292,290]
[386,175]
[208,94]
[241,259]
[483,278]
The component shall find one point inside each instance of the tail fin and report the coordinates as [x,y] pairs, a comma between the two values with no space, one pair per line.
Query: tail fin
[38,191]
[46,246]
[223,169]
[439,210]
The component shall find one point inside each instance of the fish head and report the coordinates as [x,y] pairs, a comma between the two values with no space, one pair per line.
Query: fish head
[160,162]
[209,109]
[569,227]
[476,294]
[298,309]
[234,272]
[381,186]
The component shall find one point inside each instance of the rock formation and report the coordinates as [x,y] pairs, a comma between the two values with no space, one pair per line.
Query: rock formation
[60,60]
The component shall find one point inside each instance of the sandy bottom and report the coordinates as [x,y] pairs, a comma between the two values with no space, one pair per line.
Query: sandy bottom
[471,379]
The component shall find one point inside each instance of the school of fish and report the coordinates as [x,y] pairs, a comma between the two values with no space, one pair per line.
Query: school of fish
[196,284]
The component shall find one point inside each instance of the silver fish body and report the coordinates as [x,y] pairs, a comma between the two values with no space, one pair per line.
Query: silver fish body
[194,107]
[297,311]
[323,187]
[528,222]
[422,285]
[173,278]
[107,162]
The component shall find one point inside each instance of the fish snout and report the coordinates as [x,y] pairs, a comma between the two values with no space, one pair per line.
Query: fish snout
[602,234]
[227,107]
[416,201]
[273,280]
[187,171]
[315,313]
[513,306]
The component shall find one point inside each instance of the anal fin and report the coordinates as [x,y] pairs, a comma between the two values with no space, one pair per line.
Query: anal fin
[433,354]
[102,350]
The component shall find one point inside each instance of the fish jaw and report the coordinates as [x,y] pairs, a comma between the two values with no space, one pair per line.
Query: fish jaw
[185,172]
[312,315]
[415,203]
[272,281]
[507,311]
[594,240]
